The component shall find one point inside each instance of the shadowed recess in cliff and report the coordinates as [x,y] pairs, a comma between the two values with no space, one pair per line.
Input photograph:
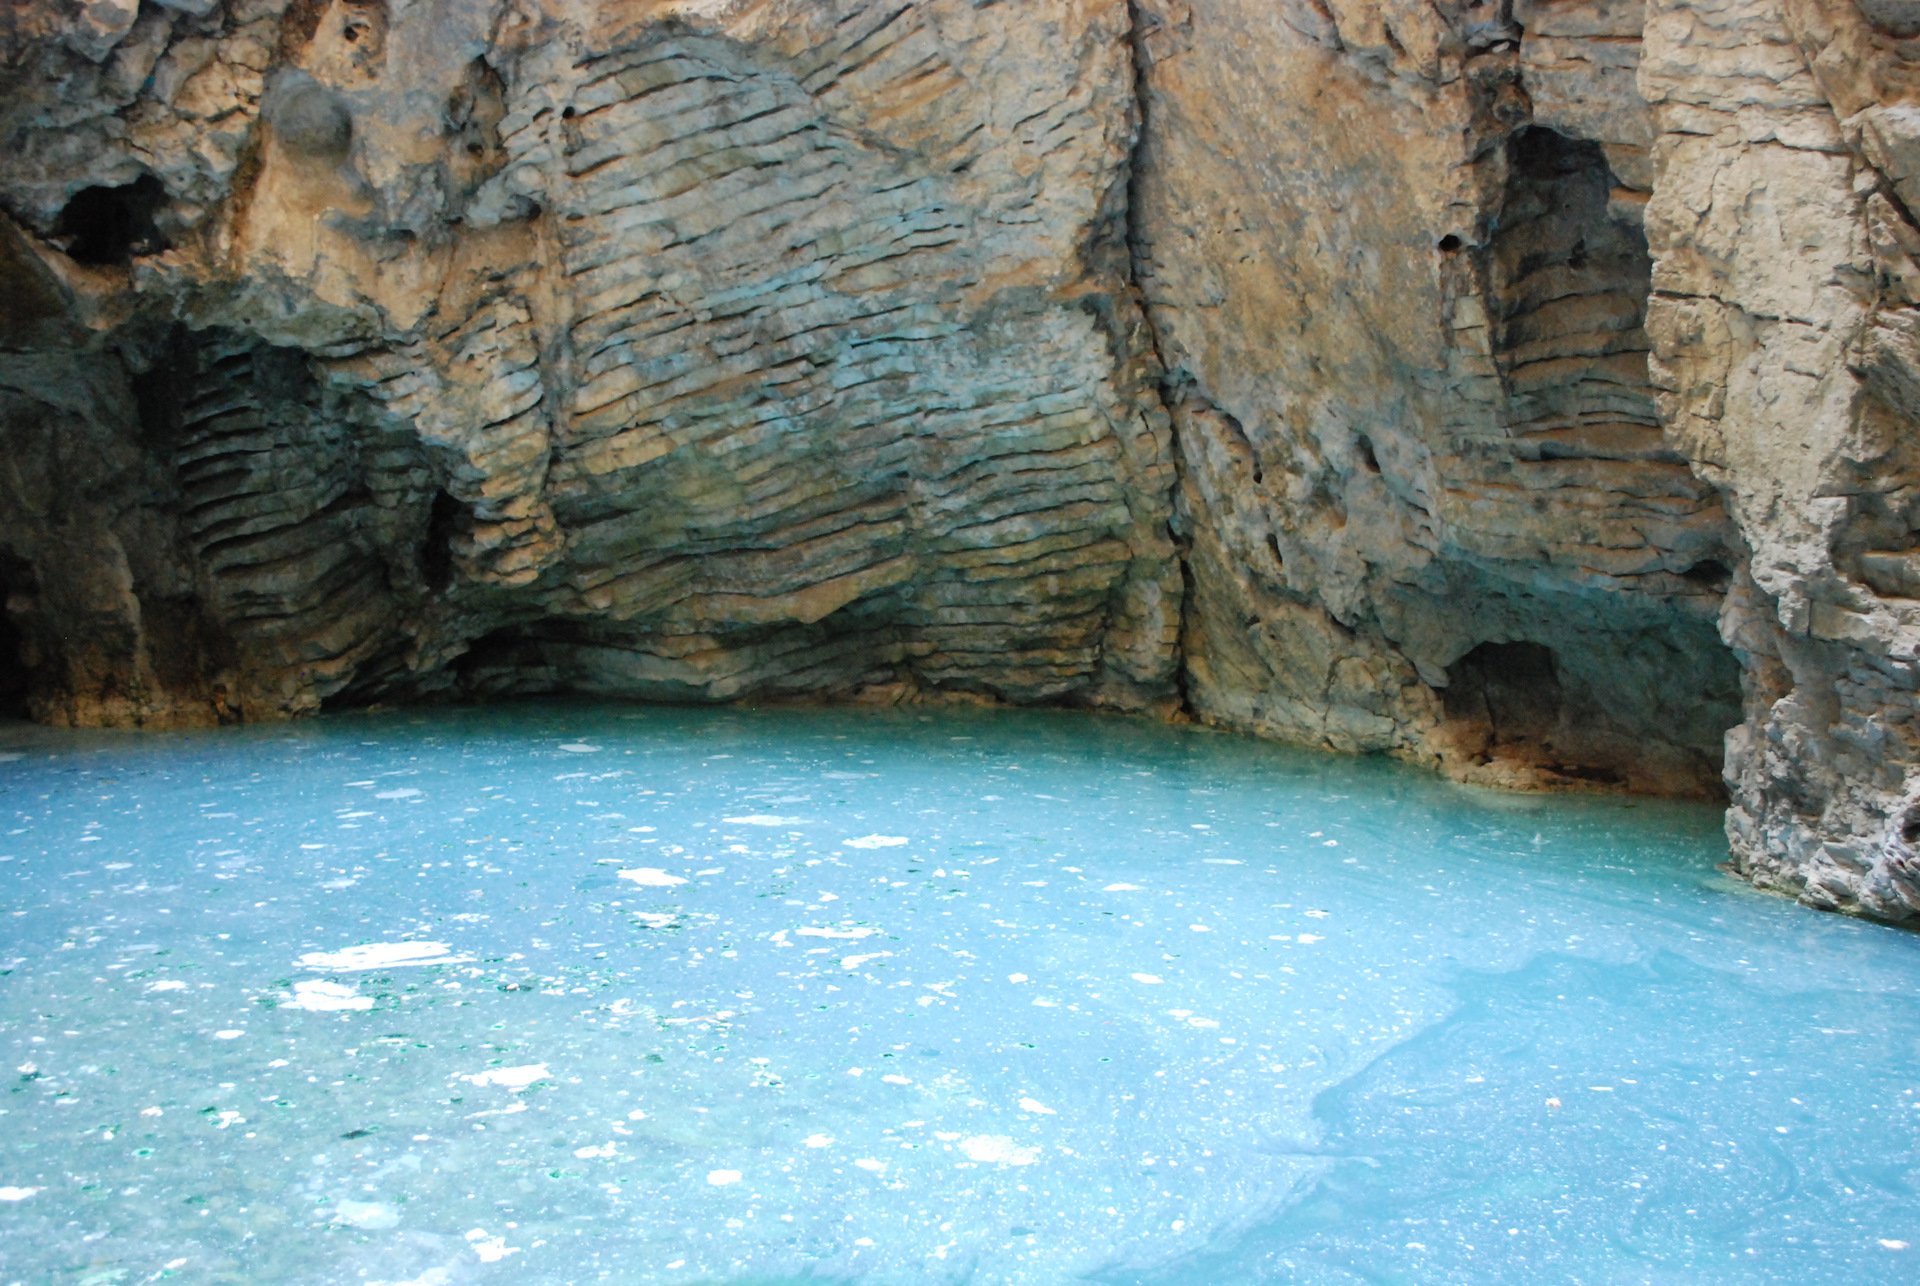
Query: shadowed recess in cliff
[110,225]
[1570,286]
[14,677]
[289,493]
[1640,710]
[1513,689]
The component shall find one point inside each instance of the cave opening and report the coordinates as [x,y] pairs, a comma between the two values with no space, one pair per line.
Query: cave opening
[1510,691]
[109,226]
[1642,710]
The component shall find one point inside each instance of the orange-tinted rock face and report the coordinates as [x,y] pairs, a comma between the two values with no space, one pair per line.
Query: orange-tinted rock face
[1445,380]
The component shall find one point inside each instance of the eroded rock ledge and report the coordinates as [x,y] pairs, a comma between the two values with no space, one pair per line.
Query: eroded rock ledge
[1525,389]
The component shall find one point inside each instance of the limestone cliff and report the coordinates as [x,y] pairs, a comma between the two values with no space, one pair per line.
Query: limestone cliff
[1521,388]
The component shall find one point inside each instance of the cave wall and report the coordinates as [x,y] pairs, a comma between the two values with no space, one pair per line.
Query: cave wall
[684,351]
[1520,387]
[1395,258]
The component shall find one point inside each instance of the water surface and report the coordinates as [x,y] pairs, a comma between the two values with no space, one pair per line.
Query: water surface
[566,993]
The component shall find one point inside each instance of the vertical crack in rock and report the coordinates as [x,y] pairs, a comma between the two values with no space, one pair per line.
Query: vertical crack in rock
[1165,380]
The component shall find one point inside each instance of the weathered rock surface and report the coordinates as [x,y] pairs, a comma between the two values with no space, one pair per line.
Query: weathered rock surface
[1521,388]
[1395,260]
[682,350]
[1784,317]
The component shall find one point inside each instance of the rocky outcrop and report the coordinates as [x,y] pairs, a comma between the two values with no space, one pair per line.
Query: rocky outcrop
[1520,387]
[1784,317]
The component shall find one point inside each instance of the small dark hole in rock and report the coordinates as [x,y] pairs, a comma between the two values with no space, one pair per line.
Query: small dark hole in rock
[566,113]
[103,225]
[1449,244]
[1709,573]
[1273,547]
[351,34]
[1368,460]
[1910,826]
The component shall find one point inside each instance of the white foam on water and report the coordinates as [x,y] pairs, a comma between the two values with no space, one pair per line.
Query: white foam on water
[722,1178]
[876,841]
[373,1216]
[322,997]
[513,1078]
[1146,979]
[1036,1107]
[11,1193]
[857,932]
[580,748]
[491,1249]
[650,877]
[404,792]
[1121,888]
[998,1149]
[380,955]
[764,819]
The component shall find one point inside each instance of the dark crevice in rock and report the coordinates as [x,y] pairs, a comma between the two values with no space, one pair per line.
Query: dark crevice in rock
[1642,711]
[1710,574]
[445,519]
[1511,691]
[16,580]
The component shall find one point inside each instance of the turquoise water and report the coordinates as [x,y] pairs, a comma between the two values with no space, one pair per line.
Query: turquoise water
[563,993]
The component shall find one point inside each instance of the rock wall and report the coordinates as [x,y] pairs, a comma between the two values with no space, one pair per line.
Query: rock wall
[1785,327]
[682,350]
[1521,387]
[1395,259]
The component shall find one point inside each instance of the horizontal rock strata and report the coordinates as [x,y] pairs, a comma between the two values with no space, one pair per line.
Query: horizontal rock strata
[688,352]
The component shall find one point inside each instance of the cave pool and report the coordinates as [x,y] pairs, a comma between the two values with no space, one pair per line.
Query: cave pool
[568,992]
